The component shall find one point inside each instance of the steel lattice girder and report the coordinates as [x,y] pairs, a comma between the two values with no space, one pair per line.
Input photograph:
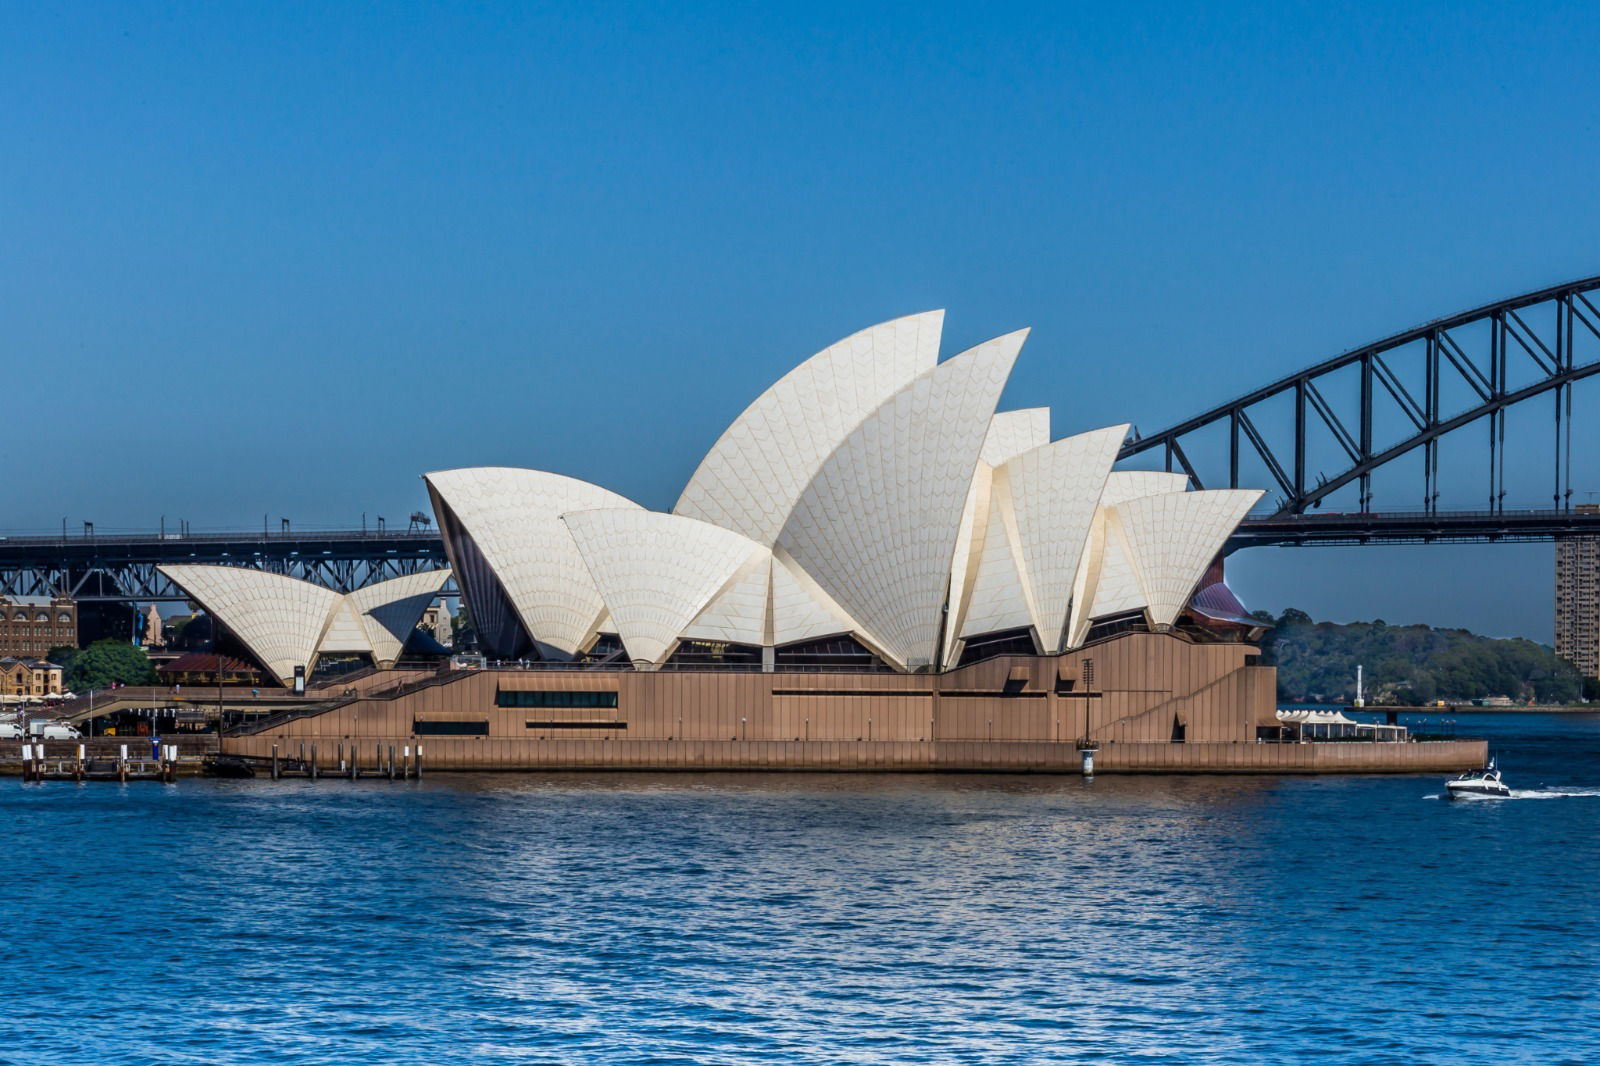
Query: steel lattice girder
[124,569]
[1286,460]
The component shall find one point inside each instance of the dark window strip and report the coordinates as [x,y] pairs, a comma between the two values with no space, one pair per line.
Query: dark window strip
[450,729]
[551,698]
[577,725]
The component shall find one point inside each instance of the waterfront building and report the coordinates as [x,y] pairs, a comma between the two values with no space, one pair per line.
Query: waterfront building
[1578,599]
[29,678]
[870,508]
[872,568]
[30,626]
[201,668]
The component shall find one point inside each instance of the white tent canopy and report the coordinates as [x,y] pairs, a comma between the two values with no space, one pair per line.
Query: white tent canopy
[1309,717]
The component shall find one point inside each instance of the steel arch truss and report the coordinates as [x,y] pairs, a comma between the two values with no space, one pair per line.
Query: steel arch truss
[125,569]
[1512,364]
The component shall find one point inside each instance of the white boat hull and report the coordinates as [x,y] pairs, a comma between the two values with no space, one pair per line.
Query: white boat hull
[1477,790]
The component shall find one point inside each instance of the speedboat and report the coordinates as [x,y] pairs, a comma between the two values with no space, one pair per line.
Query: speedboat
[1474,783]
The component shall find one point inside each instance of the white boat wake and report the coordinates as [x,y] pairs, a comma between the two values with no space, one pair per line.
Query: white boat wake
[1553,793]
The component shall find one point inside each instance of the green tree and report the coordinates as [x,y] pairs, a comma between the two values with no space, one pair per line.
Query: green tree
[62,656]
[107,661]
[462,631]
[1317,661]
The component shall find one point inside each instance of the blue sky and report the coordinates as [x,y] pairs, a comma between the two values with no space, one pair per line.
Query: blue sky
[284,258]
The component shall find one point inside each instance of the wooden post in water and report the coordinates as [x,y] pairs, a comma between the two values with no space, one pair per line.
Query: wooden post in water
[391,762]
[77,771]
[122,765]
[341,756]
[275,762]
[419,760]
[313,762]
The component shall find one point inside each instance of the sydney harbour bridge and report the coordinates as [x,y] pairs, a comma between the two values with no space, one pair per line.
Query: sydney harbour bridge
[1319,440]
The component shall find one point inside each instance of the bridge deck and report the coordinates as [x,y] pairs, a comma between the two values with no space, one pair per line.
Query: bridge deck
[1412,528]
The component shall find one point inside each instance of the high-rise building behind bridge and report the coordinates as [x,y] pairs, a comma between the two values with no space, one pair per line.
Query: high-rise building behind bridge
[1578,599]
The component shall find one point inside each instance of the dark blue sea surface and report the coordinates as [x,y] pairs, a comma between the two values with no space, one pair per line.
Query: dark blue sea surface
[612,918]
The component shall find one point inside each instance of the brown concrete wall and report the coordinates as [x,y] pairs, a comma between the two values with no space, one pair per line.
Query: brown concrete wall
[1126,689]
[1125,692]
[1446,756]
[486,754]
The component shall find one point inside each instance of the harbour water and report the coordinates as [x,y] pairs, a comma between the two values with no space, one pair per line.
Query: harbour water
[812,918]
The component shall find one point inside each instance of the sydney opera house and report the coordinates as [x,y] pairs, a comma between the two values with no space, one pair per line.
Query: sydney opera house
[872,567]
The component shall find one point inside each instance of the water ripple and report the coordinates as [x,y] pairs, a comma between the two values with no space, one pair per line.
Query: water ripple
[593,918]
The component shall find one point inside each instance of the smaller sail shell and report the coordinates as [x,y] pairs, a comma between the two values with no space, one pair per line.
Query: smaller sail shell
[657,572]
[525,581]
[285,622]
[1173,537]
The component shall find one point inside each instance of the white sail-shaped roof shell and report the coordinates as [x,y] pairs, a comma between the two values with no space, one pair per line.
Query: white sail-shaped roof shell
[389,610]
[1106,583]
[1113,587]
[1131,484]
[1172,538]
[801,611]
[286,622]
[877,526]
[1048,496]
[1013,432]
[739,613]
[657,572]
[998,600]
[751,479]
[280,619]
[511,519]
[1010,434]
[345,633]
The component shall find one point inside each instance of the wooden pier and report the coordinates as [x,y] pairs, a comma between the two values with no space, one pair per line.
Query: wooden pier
[39,766]
[390,762]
